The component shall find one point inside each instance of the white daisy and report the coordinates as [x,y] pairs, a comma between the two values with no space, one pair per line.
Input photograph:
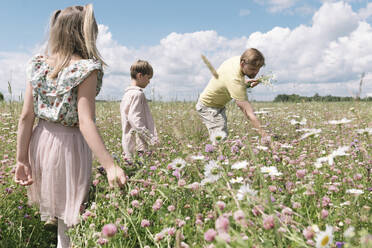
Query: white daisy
[302,122]
[342,121]
[236,180]
[263,148]
[311,132]
[197,157]
[271,170]
[349,233]
[212,172]
[240,165]
[217,137]
[178,163]
[365,130]
[324,238]
[355,191]
[261,112]
[244,190]
[286,146]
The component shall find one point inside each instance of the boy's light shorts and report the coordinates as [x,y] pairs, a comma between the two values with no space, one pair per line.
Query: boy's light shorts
[214,119]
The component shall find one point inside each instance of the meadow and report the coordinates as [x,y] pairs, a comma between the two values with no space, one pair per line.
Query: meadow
[312,188]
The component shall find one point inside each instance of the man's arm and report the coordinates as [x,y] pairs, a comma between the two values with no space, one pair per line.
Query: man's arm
[247,109]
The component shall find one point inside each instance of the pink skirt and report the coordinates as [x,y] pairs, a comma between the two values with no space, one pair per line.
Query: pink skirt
[61,163]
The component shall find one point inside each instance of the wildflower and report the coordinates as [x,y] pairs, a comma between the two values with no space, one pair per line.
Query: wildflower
[109,230]
[263,148]
[267,80]
[222,224]
[244,190]
[209,148]
[366,130]
[355,191]
[211,172]
[135,203]
[193,186]
[325,201]
[342,121]
[236,180]
[134,192]
[210,235]
[225,236]
[308,232]
[240,165]
[177,163]
[145,223]
[300,173]
[268,222]
[221,205]
[324,238]
[310,132]
[171,208]
[302,122]
[181,182]
[349,233]
[157,205]
[324,213]
[102,241]
[159,237]
[239,215]
[198,157]
[217,137]
[272,171]
[235,149]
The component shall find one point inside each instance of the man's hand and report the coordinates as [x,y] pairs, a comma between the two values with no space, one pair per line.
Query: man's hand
[252,82]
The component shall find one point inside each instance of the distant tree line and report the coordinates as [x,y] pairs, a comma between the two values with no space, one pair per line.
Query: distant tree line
[1,97]
[317,98]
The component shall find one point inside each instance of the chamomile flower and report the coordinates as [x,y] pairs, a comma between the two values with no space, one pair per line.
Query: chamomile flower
[245,190]
[240,165]
[212,172]
[355,191]
[342,121]
[271,170]
[217,137]
[177,163]
[324,238]
[267,80]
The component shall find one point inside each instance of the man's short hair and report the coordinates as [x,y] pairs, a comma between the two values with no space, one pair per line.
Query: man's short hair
[253,57]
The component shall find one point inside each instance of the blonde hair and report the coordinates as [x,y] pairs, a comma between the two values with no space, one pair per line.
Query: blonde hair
[141,66]
[73,31]
[253,57]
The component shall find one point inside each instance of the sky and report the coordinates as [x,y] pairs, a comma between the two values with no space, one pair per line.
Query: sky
[311,46]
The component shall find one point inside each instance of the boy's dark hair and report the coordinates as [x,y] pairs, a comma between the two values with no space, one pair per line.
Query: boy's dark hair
[141,66]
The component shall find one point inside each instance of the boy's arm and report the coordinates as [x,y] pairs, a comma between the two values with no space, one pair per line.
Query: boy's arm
[247,109]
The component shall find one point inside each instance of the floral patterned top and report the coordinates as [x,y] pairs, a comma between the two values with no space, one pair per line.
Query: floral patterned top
[55,100]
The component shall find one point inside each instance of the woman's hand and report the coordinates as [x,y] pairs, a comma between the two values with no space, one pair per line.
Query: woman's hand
[116,176]
[23,174]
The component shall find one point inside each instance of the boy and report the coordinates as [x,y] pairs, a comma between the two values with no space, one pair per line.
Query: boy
[231,84]
[136,119]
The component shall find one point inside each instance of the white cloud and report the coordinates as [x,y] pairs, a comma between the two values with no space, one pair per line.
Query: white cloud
[366,12]
[325,57]
[277,5]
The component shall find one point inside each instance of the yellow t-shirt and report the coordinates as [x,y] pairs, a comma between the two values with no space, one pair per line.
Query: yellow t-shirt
[229,85]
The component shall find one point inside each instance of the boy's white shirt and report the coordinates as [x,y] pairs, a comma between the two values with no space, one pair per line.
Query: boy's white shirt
[137,123]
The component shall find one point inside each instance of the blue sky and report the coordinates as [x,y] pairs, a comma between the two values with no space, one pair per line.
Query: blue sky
[304,42]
